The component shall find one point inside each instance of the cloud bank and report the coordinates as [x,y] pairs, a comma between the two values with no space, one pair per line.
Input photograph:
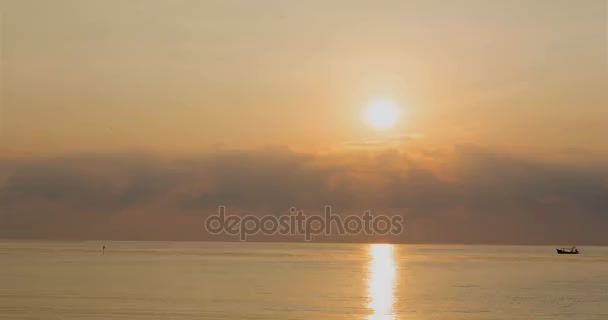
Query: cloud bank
[467,195]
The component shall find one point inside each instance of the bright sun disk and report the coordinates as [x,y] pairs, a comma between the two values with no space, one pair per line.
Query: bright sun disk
[381,114]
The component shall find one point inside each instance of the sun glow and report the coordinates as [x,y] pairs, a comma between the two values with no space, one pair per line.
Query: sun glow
[381,282]
[381,114]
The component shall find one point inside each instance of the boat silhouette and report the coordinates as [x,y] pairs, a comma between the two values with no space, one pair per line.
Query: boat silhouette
[572,250]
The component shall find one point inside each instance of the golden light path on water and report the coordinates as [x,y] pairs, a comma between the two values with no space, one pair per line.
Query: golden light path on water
[381,283]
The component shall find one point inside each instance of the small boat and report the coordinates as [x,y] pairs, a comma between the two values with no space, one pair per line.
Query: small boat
[572,250]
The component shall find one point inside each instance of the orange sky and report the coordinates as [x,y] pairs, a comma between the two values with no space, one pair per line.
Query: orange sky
[138,113]
[182,76]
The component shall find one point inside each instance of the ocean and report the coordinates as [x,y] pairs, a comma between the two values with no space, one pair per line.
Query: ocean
[211,280]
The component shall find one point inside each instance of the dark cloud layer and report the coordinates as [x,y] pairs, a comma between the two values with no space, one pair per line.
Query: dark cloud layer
[476,196]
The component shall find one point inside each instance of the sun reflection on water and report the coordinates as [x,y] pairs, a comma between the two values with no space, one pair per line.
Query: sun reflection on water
[381,282]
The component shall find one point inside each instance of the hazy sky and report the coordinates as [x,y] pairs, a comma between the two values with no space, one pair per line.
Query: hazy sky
[186,74]
[90,87]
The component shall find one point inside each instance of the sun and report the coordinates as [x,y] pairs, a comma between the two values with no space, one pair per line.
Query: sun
[381,114]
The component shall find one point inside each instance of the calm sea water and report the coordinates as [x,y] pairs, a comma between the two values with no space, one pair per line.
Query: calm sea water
[176,280]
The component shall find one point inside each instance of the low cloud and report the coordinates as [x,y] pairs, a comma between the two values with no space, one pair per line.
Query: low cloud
[469,194]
